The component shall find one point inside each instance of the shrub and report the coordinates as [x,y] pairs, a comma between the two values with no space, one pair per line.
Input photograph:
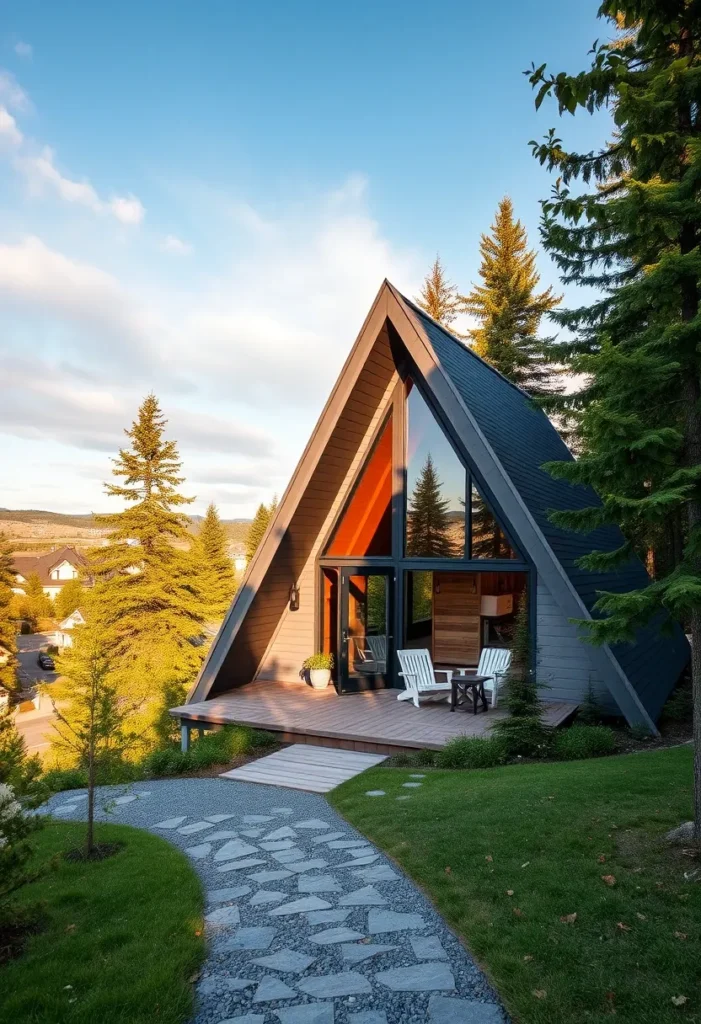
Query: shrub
[206,751]
[679,707]
[582,741]
[640,731]
[523,736]
[471,752]
[425,758]
[58,779]
[404,759]
[589,710]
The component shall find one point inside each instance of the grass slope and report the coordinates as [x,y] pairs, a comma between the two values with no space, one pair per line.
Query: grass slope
[507,853]
[122,936]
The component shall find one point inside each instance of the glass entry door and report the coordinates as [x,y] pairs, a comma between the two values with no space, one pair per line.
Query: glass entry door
[366,652]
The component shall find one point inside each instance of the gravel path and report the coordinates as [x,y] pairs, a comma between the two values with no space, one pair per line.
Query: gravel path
[308,923]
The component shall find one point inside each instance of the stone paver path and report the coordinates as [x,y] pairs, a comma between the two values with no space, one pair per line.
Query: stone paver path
[307,922]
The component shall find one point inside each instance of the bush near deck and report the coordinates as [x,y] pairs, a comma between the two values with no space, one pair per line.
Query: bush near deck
[510,855]
[118,939]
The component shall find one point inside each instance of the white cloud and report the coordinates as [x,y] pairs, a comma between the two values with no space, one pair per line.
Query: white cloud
[171,243]
[23,49]
[12,94]
[10,135]
[127,209]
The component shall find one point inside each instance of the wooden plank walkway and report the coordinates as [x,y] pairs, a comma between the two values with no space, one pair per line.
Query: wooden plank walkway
[307,767]
[375,721]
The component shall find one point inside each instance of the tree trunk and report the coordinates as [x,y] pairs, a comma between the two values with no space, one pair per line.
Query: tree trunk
[90,837]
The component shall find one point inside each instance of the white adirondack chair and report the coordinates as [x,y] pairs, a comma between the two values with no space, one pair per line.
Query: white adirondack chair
[419,676]
[494,663]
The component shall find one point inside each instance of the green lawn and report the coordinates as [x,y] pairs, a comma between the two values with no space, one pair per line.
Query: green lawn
[122,936]
[506,853]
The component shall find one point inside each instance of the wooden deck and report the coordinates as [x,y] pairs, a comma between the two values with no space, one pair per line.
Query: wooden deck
[305,766]
[375,721]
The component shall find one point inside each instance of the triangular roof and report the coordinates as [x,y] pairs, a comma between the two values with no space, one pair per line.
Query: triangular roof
[43,564]
[506,439]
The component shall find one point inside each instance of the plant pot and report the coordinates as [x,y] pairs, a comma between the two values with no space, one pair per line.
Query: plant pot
[320,678]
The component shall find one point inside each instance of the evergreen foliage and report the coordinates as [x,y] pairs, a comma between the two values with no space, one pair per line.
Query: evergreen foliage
[68,599]
[8,645]
[145,601]
[216,578]
[428,518]
[523,732]
[626,219]
[38,603]
[438,297]
[508,308]
[259,524]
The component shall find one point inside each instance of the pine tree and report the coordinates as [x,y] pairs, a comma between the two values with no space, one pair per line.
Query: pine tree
[8,646]
[523,732]
[259,524]
[145,601]
[438,297]
[632,229]
[428,518]
[508,308]
[38,602]
[215,568]
[69,598]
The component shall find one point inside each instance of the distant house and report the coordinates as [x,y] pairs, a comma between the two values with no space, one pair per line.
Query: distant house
[63,636]
[54,570]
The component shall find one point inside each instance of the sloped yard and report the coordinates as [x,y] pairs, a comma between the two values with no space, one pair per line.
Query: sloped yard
[510,856]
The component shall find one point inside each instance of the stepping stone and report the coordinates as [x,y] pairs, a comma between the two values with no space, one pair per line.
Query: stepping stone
[248,1018]
[417,775]
[378,873]
[282,833]
[328,986]
[365,1017]
[375,792]
[142,793]
[403,798]
[248,938]
[318,883]
[198,852]
[317,840]
[347,844]
[308,1013]
[232,893]
[291,853]
[197,826]
[238,865]
[334,935]
[427,947]
[312,823]
[300,906]
[171,822]
[428,977]
[252,833]
[307,865]
[270,876]
[380,921]
[224,834]
[366,897]
[288,961]
[277,844]
[65,809]
[216,818]
[256,819]
[356,952]
[282,810]
[442,1010]
[235,848]
[225,917]
[273,988]
[358,861]
[125,799]
[411,785]
[364,851]
[264,896]
[327,916]
[217,982]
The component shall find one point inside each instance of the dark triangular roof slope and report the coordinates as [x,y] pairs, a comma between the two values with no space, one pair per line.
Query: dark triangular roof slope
[523,438]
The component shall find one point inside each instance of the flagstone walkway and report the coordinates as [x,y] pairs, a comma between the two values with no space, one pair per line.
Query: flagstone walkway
[308,923]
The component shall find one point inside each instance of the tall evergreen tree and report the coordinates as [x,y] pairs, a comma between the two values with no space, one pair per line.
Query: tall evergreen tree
[38,602]
[8,668]
[632,229]
[509,309]
[69,598]
[259,524]
[438,297]
[428,518]
[215,568]
[145,602]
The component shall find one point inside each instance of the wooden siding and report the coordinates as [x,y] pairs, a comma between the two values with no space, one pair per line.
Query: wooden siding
[456,618]
[563,662]
[273,642]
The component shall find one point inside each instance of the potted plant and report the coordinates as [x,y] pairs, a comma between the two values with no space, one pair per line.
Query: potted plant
[319,667]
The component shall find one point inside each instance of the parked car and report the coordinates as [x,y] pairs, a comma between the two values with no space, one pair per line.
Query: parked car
[45,661]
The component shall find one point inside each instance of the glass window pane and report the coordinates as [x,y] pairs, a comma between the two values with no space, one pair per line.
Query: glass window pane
[435,522]
[367,625]
[488,540]
[366,525]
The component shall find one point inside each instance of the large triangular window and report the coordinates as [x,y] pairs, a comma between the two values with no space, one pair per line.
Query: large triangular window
[365,527]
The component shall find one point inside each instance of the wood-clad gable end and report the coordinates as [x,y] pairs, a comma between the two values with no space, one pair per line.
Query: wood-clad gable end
[272,641]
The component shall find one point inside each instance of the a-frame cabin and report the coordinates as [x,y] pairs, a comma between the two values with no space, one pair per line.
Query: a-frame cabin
[418,517]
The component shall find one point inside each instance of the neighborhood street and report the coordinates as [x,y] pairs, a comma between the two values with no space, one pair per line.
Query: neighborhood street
[34,725]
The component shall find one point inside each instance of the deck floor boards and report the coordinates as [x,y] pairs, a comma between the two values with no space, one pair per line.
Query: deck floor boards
[303,766]
[372,718]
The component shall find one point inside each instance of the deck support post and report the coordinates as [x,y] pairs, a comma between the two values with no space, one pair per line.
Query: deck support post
[184,736]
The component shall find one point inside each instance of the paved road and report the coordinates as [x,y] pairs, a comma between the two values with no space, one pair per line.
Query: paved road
[28,647]
[34,725]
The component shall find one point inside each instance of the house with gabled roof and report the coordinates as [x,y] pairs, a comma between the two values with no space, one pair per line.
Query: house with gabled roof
[54,569]
[418,517]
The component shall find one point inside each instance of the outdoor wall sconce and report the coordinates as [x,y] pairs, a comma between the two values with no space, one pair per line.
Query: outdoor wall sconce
[294,598]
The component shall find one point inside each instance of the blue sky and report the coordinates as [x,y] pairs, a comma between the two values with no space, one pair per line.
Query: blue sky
[203,200]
